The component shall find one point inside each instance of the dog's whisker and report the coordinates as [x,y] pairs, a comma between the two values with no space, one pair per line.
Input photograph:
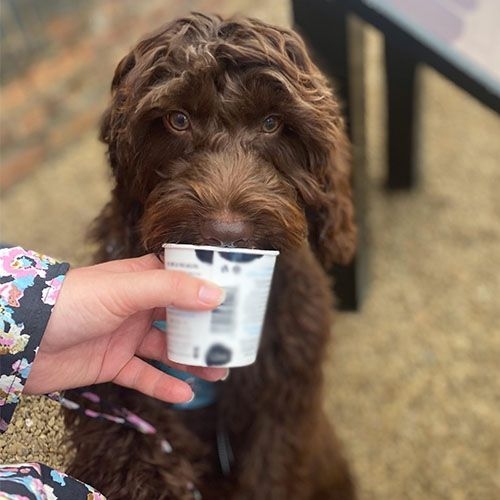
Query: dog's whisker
[161,174]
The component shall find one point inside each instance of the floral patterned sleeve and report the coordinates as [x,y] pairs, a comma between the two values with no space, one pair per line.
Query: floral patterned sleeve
[29,285]
[34,481]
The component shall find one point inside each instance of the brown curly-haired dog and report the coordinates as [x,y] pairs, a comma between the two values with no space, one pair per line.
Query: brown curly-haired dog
[225,133]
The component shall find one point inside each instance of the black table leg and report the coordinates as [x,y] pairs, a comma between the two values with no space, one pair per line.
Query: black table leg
[400,70]
[325,26]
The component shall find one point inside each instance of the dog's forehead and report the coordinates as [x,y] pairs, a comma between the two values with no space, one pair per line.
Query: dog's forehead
[216,66]
[209,86]
[234,74]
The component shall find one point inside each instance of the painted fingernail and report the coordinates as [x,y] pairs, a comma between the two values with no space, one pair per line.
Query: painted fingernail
[211,294]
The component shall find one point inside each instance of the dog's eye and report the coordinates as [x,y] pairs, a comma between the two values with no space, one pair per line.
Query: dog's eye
[271,124]
[177,120]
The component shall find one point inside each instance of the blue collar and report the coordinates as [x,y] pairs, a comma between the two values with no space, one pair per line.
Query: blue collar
[205,393]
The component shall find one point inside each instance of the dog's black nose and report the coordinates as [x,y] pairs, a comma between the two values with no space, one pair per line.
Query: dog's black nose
[226,231]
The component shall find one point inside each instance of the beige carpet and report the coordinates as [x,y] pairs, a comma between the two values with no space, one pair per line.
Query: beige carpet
[414,378]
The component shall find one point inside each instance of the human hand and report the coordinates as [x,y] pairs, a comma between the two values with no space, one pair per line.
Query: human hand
[101,327]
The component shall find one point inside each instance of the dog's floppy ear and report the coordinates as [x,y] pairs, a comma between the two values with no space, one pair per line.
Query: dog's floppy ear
[327,194]
[325,182]
[330,211]
[122,70]
[110,118]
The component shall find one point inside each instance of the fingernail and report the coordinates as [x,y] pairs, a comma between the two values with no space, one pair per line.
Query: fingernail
[211,294]
[226,376]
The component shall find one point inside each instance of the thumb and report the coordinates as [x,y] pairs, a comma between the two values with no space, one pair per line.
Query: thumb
[144,263]
[144,290]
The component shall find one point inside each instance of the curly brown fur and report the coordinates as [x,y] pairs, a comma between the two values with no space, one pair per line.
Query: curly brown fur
[288,187]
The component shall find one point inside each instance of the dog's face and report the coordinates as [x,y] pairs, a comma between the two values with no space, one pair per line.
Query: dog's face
[225,133]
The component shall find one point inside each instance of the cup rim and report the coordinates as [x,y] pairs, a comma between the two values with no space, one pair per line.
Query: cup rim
[252,251]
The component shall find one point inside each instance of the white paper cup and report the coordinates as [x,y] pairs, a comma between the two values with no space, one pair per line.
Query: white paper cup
[229,335]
